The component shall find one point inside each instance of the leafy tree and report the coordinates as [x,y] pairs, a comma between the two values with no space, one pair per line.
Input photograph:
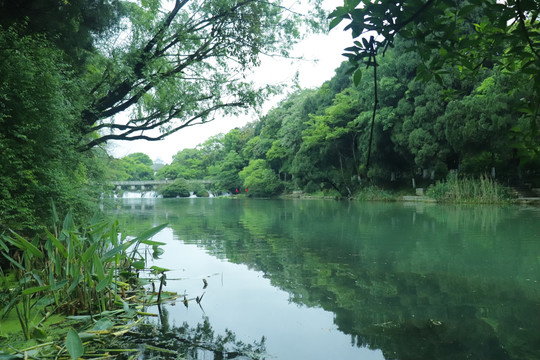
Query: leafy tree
[72,26]
[259,179]
[187,164]
[131,167]
[257,147]
[38,112]
[211,150]
[180,66]
[470,35]
[479,125]
[227,171]
[141,158]
[334,137]
[236,139]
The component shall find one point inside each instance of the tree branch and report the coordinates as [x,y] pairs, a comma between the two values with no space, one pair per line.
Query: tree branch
[524,28]
[133,129]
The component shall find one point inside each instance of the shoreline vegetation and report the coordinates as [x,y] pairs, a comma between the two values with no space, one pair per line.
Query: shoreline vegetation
[86,291]
[452,191]
[76,289]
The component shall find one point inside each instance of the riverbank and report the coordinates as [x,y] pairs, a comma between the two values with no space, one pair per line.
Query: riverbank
[374,194]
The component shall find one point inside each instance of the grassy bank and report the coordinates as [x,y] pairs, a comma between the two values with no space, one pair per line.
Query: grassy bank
[483,190]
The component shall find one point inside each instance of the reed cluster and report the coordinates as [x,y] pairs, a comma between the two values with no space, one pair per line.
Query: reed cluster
[484,190]
[374,193]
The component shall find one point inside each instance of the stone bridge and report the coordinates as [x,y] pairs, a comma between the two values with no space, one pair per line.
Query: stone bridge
[149,184]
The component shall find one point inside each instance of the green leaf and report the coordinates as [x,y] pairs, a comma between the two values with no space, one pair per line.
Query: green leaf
[35,289]
[75,283]
[25,245]
[157,252]
[157,269]
[13,261]
[89,252]
[38,333]
[98,268]
[55,217]
[139,265]
[103,324]
[4,246]
[357,76]
[114,251]
[149,233]
[57,243]
[74,344]
[152,243]
[351,4]
[335,22]
[339,12]
[59,285]
[68,224]
[102,285]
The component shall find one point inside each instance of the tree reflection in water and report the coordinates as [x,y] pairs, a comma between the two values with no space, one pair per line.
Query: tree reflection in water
[415,281]
[163,341]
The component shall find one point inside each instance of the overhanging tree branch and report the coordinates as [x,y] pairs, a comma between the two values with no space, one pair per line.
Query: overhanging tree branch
[134,129]
[184,64]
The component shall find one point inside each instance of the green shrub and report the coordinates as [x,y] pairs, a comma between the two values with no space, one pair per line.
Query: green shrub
[72,270]
[312,187]
[202,193]
[198,189]
[179,188]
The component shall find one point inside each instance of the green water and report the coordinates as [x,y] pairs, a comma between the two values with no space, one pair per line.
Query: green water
[353,280]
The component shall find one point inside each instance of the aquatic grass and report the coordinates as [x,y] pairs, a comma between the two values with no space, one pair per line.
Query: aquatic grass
[374,193]
[72,269]
[483,190]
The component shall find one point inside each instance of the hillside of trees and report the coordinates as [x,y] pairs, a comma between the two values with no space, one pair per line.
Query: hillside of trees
[318,139]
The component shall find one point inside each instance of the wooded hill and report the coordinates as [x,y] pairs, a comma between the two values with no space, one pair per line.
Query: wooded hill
[319,139]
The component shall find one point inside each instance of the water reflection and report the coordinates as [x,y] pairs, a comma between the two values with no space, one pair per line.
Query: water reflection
[166,341]
[415,282]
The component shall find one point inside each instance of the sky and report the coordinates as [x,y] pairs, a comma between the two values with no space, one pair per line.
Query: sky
[322,54]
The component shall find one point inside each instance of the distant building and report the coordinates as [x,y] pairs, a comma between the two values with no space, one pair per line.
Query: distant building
[158,164]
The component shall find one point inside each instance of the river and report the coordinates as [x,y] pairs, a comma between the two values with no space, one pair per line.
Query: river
[323,279]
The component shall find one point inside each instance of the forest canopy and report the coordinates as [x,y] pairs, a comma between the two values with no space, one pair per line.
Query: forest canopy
[318,140]
[464,36]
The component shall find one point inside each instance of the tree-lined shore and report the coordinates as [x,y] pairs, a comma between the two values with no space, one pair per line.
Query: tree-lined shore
[318,140]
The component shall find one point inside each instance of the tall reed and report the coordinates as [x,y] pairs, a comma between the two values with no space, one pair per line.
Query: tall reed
[483,190]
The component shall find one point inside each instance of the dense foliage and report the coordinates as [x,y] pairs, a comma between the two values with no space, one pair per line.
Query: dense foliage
[319,140]
[467,37]
[39,104]
[136,166]
[68,67]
